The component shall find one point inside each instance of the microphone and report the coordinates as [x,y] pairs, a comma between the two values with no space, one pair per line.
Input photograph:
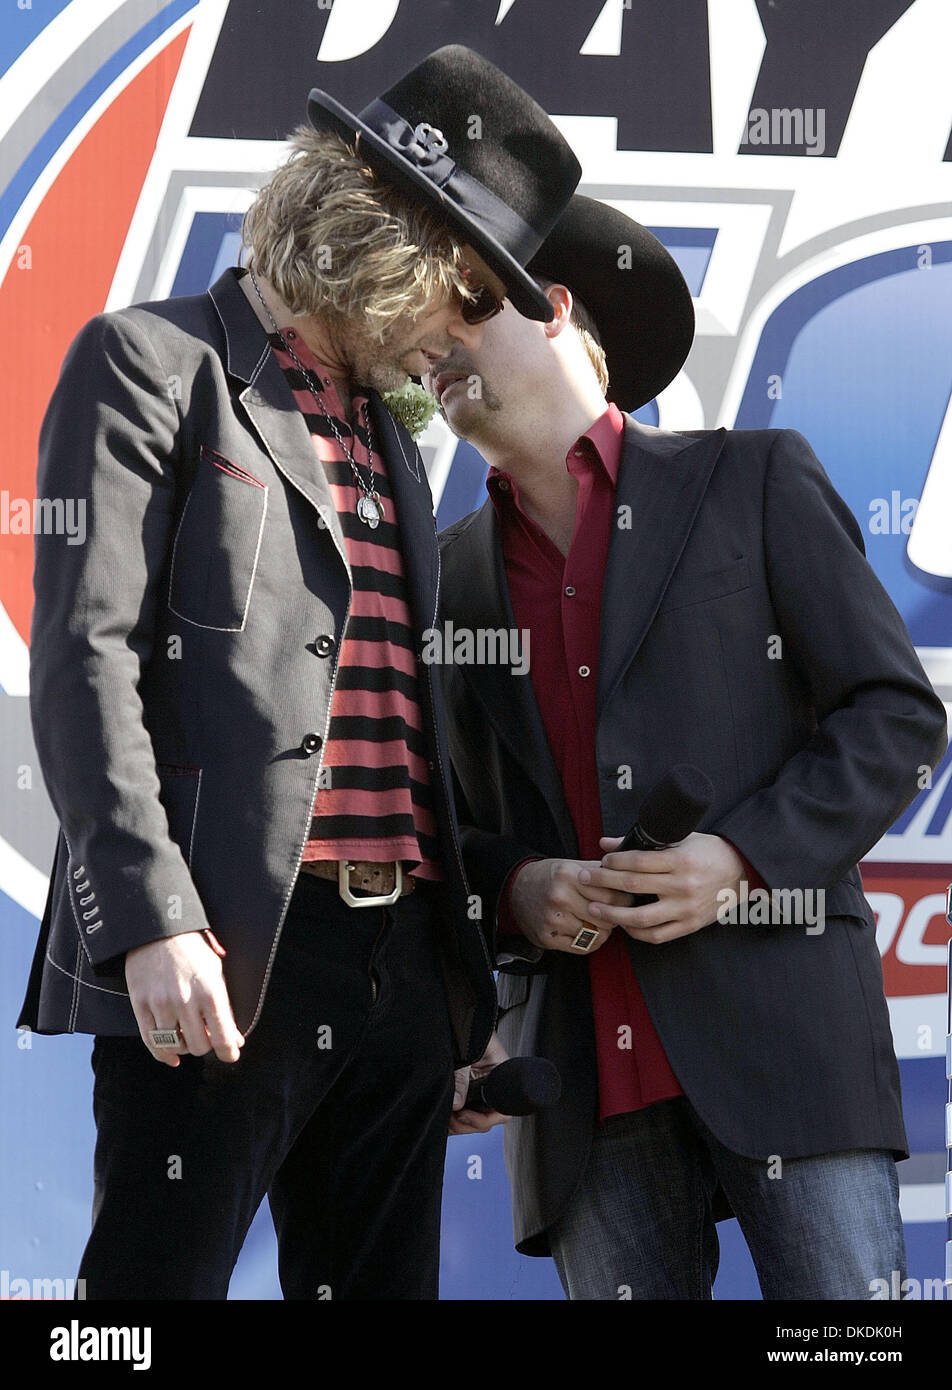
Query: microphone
[519,1086]
[669,813]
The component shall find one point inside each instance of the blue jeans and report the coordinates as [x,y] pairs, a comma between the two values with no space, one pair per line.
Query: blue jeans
[640,1224]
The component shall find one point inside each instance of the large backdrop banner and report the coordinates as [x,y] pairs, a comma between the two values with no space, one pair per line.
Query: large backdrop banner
[796,159]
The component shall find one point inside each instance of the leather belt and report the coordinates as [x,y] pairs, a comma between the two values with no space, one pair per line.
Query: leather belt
[379,883]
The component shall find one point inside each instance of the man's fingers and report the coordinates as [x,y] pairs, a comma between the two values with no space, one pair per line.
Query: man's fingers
[460,1087]
[648,915]
[564,939]
[177,982]
[146,1021]
[590,890]
[621,882]
[476,1121]
[223,1034]
[192,1028]
[644,861]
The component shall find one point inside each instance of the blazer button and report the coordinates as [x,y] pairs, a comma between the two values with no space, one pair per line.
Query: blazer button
[311,743]
[323,645]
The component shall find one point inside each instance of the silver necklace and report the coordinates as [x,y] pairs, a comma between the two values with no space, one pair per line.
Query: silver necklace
[369,505]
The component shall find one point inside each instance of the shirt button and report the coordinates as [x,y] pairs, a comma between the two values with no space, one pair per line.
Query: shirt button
[310,743]
[323,645]
[570,590]
[291,333]
[503,484]
[584,671]
[578,453]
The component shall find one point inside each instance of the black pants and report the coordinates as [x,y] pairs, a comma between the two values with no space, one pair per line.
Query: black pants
[337,1109]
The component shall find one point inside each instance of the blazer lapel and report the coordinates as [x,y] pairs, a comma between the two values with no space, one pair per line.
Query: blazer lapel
[270,406]
[476,595]
[284,434]
[661,482]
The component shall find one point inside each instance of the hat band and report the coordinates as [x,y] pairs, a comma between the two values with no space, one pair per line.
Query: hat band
[425,148]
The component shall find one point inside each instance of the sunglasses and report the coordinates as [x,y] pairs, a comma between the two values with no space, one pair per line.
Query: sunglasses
[484,305]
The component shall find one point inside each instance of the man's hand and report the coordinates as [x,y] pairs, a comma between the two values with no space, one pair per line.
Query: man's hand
[464,1121]
[177,982]
[686,879]
[549,908]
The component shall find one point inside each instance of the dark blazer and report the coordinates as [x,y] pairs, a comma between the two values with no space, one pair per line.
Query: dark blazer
[779,1037]
[181,675]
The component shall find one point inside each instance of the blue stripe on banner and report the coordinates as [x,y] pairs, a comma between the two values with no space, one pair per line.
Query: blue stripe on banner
[465,487]
[21,26]
[691,248]
[923,1102]
[213,238]
[70,116]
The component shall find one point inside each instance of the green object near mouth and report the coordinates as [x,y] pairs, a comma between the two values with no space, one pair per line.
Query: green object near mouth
[412,406]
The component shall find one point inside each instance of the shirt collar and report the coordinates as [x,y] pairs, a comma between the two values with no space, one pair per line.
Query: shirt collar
[600,444]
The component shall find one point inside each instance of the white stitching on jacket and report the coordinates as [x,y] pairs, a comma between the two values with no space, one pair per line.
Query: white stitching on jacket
[211,627]
[84,984]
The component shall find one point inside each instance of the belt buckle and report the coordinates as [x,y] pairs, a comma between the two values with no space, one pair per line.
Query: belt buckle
[379,899]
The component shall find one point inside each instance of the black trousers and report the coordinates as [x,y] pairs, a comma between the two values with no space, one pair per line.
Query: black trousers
[337,1109]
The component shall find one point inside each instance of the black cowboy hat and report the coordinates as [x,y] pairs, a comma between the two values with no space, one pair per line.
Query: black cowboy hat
[633,290]
[464,139]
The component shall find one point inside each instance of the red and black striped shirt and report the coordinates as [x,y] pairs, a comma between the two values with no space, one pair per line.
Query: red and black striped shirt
[374,802]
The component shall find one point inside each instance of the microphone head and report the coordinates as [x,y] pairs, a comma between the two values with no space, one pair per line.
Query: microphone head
[675,805]
[522,1085]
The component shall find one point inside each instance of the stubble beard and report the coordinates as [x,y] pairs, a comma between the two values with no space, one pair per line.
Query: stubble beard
[372,363]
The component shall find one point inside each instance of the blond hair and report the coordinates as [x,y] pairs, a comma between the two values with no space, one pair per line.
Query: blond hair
[584,325]
[337,241]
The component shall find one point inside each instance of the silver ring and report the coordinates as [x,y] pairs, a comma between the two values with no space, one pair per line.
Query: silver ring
[165,1037]
[585,939]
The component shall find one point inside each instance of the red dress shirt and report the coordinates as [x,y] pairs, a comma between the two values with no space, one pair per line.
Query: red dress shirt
[559,599]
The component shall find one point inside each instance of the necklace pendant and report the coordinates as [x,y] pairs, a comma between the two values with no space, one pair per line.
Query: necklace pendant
[369,511]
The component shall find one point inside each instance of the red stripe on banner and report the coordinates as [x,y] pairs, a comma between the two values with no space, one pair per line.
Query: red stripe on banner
[74,242]
[909,902]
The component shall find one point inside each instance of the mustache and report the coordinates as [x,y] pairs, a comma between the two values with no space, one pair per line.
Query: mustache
[453,363]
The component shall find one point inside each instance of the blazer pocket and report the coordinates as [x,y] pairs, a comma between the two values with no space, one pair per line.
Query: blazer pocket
[179,788]
[216,546]
[698,586]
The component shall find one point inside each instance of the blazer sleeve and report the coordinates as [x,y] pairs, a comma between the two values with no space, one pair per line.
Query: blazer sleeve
[879,723]
[109,440]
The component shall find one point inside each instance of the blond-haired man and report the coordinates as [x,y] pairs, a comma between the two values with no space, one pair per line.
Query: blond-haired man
[258,903]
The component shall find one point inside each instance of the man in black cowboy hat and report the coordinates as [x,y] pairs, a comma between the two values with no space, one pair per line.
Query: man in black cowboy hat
[258,904]
[697,598]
